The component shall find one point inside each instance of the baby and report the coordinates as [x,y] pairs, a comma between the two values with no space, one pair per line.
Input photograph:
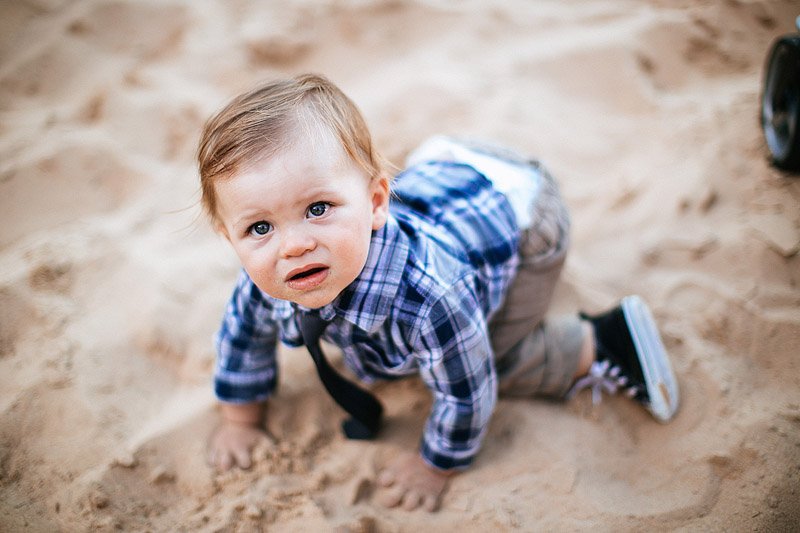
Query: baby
[445,271]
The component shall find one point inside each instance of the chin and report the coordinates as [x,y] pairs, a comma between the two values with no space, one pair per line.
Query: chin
[314,301]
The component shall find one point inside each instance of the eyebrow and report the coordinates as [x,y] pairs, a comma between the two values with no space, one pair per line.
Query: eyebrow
[244,220]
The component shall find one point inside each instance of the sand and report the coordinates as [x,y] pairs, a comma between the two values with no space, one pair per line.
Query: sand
[112,284]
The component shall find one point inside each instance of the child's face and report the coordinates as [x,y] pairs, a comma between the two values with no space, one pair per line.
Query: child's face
[301,220]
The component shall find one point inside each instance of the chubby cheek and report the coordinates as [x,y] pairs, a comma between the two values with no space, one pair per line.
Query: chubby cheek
[352,246]
[262,277]
[260,267]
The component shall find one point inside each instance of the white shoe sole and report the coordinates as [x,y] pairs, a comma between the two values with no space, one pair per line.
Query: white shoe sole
[662,387]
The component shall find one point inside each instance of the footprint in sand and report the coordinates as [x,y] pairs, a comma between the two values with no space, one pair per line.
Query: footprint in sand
[739,326]
[159,27]
[51,276]
[17,316]
[278,49]
[53,189]
[56,67]
[674,54]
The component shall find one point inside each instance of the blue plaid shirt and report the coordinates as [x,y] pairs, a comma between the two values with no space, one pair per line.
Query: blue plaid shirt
[434,275]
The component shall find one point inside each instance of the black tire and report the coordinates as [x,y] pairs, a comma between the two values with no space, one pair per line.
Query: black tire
[780,103]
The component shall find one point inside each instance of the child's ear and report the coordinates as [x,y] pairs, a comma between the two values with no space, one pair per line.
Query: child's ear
[219,228]
[379,188]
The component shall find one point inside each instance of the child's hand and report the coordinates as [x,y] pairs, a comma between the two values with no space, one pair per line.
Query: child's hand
[231,445]
[409,481]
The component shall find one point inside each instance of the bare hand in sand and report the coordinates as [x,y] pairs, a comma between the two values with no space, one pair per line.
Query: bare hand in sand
[231,445]
[233,441]
[409,481]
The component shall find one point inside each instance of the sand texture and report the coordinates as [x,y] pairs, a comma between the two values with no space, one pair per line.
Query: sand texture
[112,285]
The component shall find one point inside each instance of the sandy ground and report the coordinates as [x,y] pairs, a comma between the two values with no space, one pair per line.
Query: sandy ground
[111,285]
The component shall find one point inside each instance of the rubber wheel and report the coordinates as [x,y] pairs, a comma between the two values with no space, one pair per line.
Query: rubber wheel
[780,103]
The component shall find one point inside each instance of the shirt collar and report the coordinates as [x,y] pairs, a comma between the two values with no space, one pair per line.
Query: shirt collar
[366,302]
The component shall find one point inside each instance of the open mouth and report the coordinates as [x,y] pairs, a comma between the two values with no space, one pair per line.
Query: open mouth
[307,279]
[306,273]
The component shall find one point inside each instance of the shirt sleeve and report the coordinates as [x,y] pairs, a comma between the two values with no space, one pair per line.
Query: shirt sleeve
[246,368]
[456,364]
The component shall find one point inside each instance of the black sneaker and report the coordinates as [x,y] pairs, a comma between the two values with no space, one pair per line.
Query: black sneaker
[631,358]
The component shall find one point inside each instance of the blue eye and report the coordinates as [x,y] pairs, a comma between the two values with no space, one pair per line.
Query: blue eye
[318,209]
[260,228]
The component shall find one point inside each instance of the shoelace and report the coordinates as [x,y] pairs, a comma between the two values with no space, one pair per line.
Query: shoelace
[602,376]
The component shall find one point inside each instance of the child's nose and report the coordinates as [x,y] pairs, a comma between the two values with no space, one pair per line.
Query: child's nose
[296,241]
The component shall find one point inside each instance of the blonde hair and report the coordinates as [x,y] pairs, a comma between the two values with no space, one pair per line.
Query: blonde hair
[259,123]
